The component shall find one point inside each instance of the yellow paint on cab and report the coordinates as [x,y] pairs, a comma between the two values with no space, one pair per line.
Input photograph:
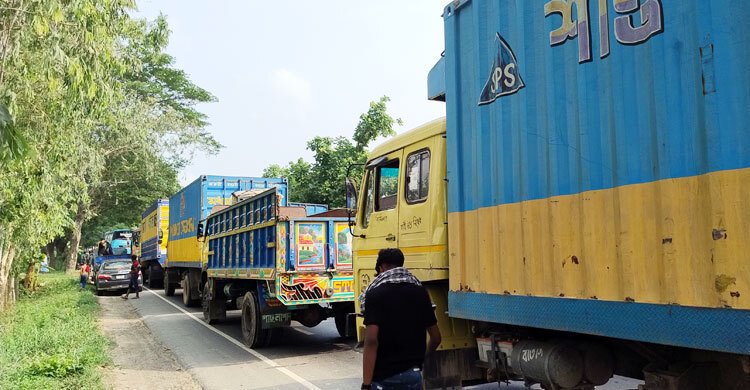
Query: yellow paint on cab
[418,228]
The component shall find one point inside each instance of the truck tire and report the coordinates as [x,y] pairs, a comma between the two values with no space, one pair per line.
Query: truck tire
[253,335]
[168,286]
[340,313]
[150,282]
[186,292]
[214,310]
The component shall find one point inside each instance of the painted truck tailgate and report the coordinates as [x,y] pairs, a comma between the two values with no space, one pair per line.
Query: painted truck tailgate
[308,259]
[600,151]
[194,202]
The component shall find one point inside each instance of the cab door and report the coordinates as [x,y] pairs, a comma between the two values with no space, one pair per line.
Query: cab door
[379,221]
[377,224]
[421,227]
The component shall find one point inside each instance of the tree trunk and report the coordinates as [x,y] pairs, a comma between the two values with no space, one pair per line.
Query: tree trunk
[7,290]
[29,283]
[74,239]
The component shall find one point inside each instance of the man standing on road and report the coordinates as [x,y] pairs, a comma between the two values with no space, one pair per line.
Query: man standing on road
[398,314]
[135,268]
[85,269]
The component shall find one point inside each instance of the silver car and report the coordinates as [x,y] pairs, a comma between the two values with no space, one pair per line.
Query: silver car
[114,274]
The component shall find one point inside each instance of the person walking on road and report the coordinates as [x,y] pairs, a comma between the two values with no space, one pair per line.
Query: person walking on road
[135,268]
[85,269]
[398,312]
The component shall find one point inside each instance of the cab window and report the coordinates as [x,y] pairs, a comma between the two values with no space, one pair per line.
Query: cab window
[417,176]
[368,199]
[387,193]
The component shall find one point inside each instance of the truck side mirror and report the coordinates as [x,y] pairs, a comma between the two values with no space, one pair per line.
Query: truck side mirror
[351,196]
[200,232]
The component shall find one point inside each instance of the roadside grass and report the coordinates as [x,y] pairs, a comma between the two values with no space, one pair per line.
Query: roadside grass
[50,339]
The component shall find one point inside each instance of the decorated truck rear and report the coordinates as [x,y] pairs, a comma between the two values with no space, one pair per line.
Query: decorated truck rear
[186,254]
[277,265]
[153,236]
[596,161]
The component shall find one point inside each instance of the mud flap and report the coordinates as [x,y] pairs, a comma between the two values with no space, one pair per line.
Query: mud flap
[273,314]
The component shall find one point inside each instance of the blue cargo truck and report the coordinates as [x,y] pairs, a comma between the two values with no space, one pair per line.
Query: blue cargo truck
[598,178]
[186,255]
[153,236]
[277,264]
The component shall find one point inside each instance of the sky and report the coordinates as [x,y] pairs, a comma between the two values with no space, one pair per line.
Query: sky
[285,71]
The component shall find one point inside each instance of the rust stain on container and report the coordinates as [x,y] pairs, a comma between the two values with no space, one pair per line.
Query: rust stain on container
[722,282]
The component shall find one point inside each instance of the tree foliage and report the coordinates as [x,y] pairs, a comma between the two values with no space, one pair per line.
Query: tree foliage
[94,121]
[375,123]
[322,181]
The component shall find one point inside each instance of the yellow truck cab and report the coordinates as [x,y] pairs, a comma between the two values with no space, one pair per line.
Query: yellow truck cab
[402,203]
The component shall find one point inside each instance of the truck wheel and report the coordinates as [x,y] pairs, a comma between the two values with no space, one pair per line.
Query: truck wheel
[186,292]
[340,313]
[253,335]
[150,282]
[214,310]
[340,319]
[168,286]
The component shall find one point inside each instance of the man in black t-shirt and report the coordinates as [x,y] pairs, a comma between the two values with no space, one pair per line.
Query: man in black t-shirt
[398,312]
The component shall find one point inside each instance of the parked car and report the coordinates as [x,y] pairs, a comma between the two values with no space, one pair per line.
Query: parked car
[114,274]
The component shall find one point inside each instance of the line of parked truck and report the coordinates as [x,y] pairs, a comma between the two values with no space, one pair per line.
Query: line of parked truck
[573,216]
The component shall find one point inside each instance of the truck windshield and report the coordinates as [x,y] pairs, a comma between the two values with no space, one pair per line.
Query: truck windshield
[387,186]
[122,235]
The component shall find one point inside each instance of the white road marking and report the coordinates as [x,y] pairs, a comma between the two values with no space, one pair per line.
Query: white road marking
[257,354]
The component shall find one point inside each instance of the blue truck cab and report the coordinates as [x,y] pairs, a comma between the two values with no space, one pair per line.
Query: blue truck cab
[119,240]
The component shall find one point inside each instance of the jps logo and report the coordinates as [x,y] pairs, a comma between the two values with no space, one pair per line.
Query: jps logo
[505,78]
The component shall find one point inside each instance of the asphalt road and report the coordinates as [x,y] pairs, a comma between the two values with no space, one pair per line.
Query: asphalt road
[303,358]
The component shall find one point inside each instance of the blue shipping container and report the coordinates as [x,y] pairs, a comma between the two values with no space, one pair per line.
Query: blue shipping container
[598,151]
[194,203]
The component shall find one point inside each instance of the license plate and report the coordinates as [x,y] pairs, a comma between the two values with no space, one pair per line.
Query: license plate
[121,276]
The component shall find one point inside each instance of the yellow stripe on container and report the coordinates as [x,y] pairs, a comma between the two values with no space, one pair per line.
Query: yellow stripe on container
[678,241]
[187,250]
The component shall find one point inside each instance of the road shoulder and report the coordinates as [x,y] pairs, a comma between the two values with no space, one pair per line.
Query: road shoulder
[139,360]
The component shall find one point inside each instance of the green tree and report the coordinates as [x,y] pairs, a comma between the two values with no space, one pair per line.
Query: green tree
[296,173]
[322,181]
[91,110]
[156,128]
[58,61]
[375,123]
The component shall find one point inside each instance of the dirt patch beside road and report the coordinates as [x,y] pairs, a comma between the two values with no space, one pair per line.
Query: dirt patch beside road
[140,361]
